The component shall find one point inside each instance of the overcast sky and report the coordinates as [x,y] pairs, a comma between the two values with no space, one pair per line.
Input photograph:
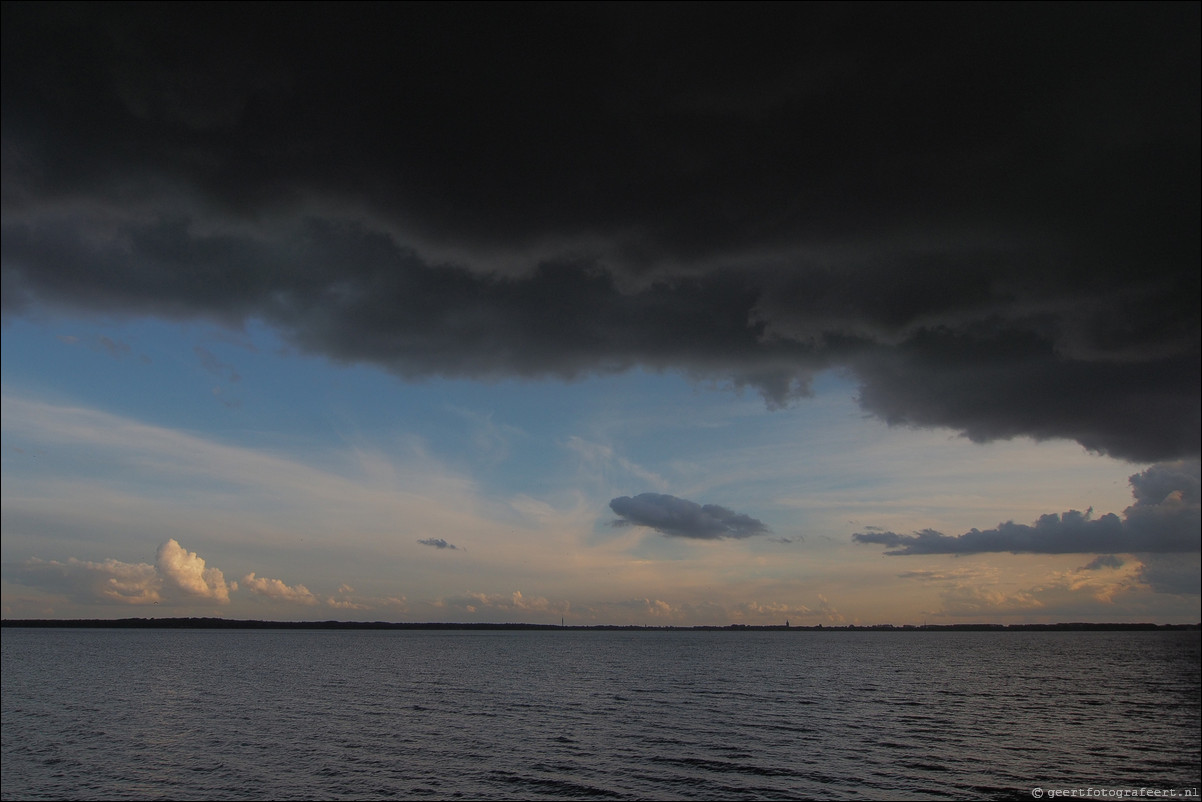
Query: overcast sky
[664,313]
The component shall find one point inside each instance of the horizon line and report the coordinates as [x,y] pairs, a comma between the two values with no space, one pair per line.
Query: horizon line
[212,622]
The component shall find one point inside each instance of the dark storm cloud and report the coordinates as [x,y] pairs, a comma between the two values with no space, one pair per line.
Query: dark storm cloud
[355,295]
[1164,519]
[680,517]
[988,213]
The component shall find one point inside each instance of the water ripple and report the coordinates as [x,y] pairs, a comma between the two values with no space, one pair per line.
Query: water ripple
[127,714]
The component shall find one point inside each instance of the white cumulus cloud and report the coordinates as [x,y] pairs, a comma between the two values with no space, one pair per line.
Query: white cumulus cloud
[186,570]
[276,589]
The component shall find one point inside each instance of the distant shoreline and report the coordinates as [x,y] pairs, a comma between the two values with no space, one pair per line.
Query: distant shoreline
[222,623]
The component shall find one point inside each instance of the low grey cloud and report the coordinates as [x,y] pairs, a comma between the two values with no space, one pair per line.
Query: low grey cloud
[1165,519]
[117,349]
[438,543]
[1104,561]
[210,362]
[110,581]
[1001,239]
[1178,575]
[678,517]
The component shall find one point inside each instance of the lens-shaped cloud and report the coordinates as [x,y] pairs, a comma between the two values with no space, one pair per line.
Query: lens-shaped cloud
[678,517]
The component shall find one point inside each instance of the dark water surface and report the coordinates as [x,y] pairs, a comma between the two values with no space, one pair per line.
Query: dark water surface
[192,714]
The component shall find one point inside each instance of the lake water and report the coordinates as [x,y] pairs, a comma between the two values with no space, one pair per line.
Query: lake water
[228,714]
